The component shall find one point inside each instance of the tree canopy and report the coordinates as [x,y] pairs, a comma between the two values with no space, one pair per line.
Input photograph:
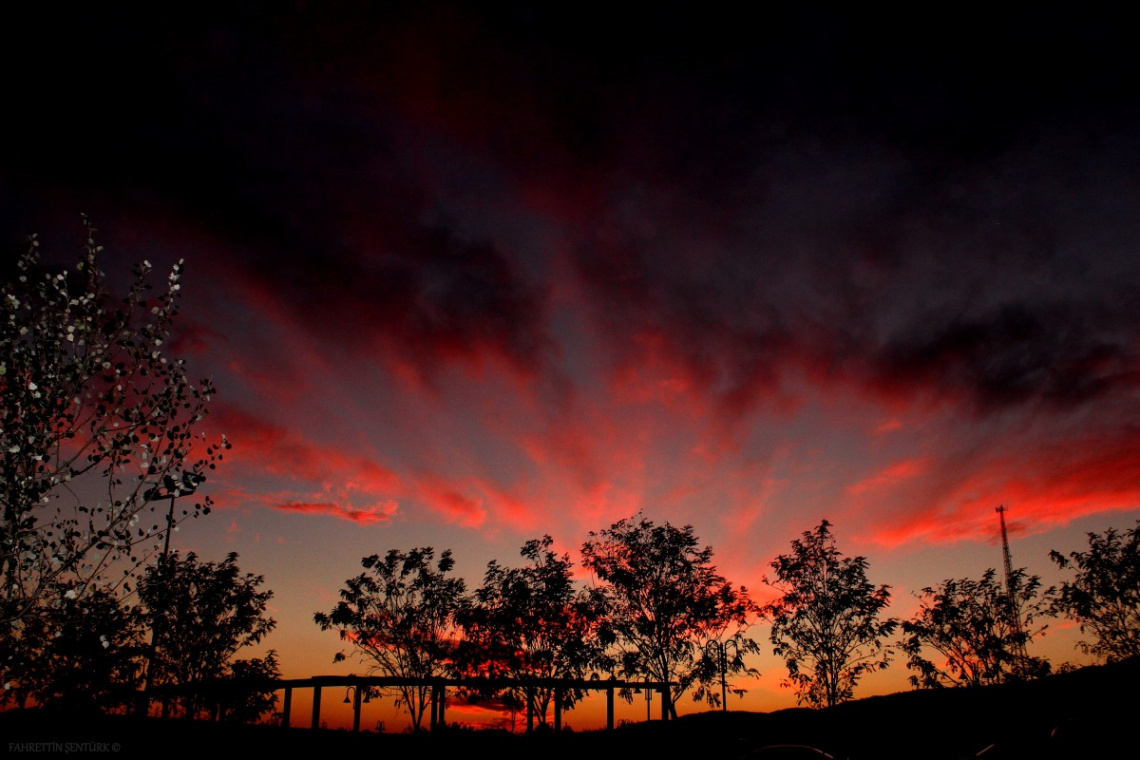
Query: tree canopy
[201,615]
[1103,596]
[977,629]
[399,616]
[828,623]
[88,654]
[532,622]
[667,604]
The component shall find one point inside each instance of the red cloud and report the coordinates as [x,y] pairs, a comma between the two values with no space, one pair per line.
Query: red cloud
[1048,487]
[369,516]
[279,450]
[896,473]
[445,498]
[326,479]
[510,509]
[653,373]
[888,426]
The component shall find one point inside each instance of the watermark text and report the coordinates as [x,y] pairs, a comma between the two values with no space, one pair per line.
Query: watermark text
[64,748]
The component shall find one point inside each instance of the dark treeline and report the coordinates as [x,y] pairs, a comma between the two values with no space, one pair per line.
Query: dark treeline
[657,609]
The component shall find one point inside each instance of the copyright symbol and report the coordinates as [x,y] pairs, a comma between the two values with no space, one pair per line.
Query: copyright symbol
[115,747]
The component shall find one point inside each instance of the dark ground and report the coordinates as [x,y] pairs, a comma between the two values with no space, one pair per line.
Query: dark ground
[1090,713]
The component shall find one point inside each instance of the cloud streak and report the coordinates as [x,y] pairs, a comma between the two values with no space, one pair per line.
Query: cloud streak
[369,516]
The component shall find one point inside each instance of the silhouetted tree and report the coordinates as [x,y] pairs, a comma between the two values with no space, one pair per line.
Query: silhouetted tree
[247,693]
[399,616]
[87,654]
[532,622]
[201,614]
[1104,595]
[666,603]
[95,415]
[978,632]
[827,624]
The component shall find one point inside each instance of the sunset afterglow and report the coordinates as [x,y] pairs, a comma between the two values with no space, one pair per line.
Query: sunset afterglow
[466,277]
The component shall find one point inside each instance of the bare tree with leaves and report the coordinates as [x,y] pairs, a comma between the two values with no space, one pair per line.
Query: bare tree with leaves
[399,616]
[827,623]
[96,416]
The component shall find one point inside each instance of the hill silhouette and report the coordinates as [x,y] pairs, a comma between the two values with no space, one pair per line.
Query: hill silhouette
[1087,713]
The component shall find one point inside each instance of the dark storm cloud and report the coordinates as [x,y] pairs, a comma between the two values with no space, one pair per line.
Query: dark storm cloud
[431,297]
[997,281]
[1056,354]
[714,324]
[923,208]
[854,194]
[243,128]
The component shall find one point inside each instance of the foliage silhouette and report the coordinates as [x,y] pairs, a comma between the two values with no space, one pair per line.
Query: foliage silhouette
[87,654]
[89,394]
[246,694]
[1104,595]
[400,617]
[827,624]
[532,622]
[970,625]
[201,614]
[666,604]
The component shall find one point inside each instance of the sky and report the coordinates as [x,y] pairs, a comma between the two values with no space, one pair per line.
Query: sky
[468,274]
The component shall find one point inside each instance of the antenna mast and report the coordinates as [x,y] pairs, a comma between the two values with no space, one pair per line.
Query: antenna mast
[1011,591]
